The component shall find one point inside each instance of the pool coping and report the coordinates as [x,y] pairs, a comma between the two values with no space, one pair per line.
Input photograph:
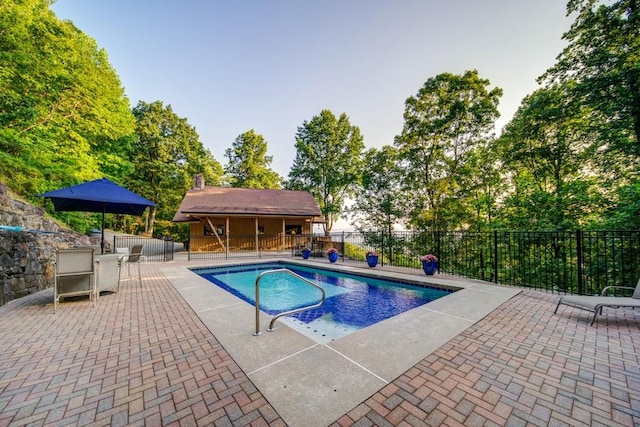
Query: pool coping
[314,384]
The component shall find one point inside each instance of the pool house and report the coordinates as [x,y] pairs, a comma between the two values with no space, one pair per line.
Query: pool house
[225,219]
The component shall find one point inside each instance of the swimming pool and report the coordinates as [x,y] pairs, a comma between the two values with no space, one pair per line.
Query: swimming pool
[352,301]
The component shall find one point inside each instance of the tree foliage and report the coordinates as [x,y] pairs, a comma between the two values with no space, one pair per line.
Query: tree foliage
[63,112]
[570,156]
[549,147]
[327,163]
[248,165]
[378,203]
[450,116]
[602,64]
[485,187]
[167,154]
[602,56]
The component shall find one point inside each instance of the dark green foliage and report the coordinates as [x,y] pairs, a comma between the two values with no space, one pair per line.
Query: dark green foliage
[248,165]
[328,162]
[64,119]
[550,148]
[378,205]
[62,108]
[602,58]
[568,159]
[450,118]
[167,154]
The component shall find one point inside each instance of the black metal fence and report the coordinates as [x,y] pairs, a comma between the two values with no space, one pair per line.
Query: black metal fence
[155,248]
[581,262]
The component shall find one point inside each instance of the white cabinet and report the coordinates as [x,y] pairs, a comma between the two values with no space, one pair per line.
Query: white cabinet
[107,276]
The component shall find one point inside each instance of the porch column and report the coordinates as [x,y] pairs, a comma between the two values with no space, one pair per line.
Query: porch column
[257,233]
[226,233]
[284,236]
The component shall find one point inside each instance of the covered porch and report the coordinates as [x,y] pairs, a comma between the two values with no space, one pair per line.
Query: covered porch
[259,233]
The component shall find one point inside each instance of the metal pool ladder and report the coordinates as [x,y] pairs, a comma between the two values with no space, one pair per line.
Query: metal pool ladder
[284,313]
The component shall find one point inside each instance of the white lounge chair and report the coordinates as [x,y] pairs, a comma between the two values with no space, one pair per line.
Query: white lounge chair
[595,304]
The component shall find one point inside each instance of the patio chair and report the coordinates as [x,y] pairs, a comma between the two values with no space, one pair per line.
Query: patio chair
[123,253]
[132,258]
[74,275]
[595,304]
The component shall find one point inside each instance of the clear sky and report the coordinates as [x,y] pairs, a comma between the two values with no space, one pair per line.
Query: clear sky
[269,65]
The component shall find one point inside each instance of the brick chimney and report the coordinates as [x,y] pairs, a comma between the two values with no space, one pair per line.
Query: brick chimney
[198,181]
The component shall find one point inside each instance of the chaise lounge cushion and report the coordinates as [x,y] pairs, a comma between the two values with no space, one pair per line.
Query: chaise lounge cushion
[595,304]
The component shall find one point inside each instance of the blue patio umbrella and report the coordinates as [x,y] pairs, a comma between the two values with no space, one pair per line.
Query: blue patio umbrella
[100,195]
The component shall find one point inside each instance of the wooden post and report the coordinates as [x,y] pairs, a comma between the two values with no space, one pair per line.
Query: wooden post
[226,233]
[257,232]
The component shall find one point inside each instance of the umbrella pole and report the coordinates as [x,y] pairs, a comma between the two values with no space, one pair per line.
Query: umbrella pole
[102,240]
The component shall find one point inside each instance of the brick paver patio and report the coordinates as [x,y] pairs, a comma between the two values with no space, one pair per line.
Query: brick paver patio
[142,357]
[521,366]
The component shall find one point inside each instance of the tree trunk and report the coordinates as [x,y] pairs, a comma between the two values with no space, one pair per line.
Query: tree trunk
[151,218]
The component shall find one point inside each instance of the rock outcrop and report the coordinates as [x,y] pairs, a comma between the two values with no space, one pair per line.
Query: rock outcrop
[26,256]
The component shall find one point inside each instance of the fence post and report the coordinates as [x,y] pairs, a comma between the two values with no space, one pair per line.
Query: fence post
[343,248]
[438,251]
[495,256]
[579,259]
[165,248]
[382,248]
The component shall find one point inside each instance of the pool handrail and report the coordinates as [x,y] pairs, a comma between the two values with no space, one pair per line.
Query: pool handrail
[284,313]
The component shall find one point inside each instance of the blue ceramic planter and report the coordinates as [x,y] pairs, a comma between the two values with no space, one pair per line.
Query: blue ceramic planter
[372,260]
[306,253]
[333,257]
[430,267]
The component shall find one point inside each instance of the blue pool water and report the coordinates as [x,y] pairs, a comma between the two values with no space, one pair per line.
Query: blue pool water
[352,301]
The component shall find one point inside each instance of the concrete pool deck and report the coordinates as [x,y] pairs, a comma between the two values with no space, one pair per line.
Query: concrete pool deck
[147,356]
[313,384]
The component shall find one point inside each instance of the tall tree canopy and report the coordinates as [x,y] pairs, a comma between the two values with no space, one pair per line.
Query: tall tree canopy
[327,163]
[378,203]
[248,165]
[484,188]
[63,113]
[548,148]
[602,57]
[167,154]
[450,116]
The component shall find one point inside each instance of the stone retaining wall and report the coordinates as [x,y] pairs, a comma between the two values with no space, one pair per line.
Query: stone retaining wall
[26,256]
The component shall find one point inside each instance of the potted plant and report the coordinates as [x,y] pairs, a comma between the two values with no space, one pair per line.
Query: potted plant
[372,258]
[429,264]
[305,253]
[332,254]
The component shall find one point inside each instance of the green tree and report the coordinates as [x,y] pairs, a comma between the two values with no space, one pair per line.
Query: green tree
[378,203]
[450,116]
[64,118]
[327,163]
[602,57]
[167,154]
[547,148]
[248,165]
[484,187]
[624,212]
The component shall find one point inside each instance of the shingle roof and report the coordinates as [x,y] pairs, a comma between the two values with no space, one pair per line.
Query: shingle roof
[246,201]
